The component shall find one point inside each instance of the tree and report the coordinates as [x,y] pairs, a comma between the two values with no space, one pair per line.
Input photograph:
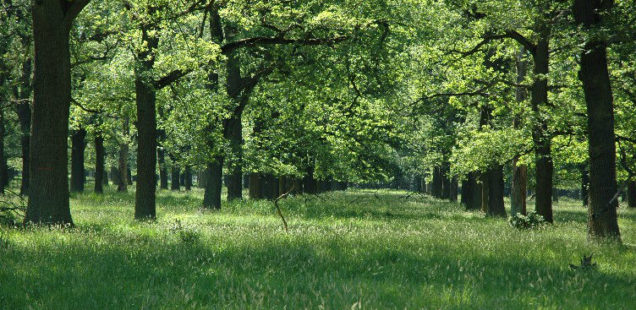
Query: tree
[603,193]
[48,194]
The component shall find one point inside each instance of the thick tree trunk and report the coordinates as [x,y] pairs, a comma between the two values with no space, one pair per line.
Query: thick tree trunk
[213,184]
[99,163]
[542,139]
[602,219]
[496,192]
[188,178]
[446,183]
[270,186]
[467,186]
[437,182]
[49,188]
[78,146]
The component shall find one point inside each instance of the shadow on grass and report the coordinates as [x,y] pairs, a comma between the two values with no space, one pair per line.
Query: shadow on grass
[141,273]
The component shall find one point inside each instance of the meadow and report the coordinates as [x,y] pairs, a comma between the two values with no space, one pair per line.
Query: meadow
[358,249]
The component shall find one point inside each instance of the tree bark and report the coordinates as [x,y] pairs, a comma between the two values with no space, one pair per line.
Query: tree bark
[146,186]
[519,171]
[309,183]
[163,170]
[631,194]
[484,181]
[213,184]
[78,146]
[256,186]
[496,192]
[175,182]
[452,195]
[99,163]
[122,163]
[437,182]
[542,139]
[585,185]
[49,188]
[602,218]
[188,178]
[235,165]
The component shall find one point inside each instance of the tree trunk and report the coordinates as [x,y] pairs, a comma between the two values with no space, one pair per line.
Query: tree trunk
[309,183]
[453,190]
[146,186]
[78,145]
[484,179]
[122,162]
[496,192]
[437,182]
[256,186]
[519,188]
[519,171]
[602,219]
[163,170]
[631,194]
[235,165]
[467,186]
[446,183]
[175,182]
[49,188]
[3,159]
[270,186]
[213,184]
[188,178]
[99,163]
[542,139]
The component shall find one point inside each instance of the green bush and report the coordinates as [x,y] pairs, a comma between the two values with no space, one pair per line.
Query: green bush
[530,221]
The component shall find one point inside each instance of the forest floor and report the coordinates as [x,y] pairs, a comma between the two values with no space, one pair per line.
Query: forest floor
[344,250]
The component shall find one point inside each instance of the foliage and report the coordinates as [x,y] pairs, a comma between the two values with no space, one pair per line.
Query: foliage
[530,221]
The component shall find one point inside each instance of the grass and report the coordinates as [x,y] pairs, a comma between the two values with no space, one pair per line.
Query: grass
[344,250]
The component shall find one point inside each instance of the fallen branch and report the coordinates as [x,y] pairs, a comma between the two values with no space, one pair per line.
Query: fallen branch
[280,213]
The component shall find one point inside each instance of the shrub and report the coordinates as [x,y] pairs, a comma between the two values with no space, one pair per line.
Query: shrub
[530,221]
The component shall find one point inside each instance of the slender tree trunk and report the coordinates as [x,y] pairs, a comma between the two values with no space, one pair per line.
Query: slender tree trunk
[519,171]
[235,165]
[122,184]
[602,219]
[188,178]
[3,158]
[78,146]
[496,192]
[175,182]
[453,190]
[213,184]
[99,163]
[49,188]
[542,139]
[163,170]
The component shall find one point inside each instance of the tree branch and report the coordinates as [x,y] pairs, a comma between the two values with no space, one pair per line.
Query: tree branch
[229,47]
[170,78]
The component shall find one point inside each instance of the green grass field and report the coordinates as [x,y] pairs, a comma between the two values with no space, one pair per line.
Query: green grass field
[344,250]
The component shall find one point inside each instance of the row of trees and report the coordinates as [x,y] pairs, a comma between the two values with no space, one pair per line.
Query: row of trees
[290,93]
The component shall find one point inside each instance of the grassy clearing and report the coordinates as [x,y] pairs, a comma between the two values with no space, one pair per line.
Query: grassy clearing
[360,249]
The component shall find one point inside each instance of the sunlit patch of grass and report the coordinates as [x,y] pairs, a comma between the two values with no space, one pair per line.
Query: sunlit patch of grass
[368,249]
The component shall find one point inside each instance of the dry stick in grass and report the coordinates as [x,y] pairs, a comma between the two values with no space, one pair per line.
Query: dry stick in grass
[283,196]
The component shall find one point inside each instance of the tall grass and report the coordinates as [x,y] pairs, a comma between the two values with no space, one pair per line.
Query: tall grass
[344,250]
